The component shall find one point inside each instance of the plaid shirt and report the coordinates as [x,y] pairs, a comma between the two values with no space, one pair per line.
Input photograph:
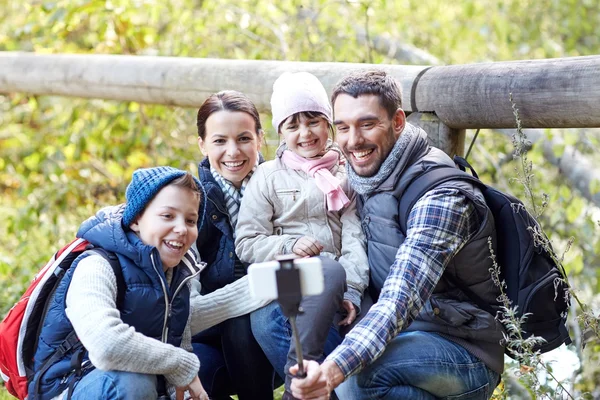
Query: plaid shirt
[438,226]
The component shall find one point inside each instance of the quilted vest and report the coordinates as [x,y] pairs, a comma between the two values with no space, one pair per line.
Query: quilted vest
[143,307]
[448,311]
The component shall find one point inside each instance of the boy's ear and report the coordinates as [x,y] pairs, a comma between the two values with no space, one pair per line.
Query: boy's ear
[135,226]
[201,146]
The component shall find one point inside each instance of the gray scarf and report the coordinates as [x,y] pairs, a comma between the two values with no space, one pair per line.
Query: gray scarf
[365,185]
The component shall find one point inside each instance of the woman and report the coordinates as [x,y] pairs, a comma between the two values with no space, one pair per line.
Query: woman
[229,136]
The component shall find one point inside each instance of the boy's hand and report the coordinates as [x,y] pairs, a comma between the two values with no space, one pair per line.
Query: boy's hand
[307,246]
[351,313]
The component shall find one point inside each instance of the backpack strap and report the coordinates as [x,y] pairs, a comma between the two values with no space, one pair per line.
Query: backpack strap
[72,342]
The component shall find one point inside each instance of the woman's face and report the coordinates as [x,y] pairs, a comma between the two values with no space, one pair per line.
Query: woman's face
[231,144]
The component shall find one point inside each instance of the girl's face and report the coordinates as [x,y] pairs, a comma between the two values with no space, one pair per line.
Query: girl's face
[305,136]
[169,223]
[231,144]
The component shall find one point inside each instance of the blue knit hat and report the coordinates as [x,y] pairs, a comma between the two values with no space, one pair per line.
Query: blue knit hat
[145,184]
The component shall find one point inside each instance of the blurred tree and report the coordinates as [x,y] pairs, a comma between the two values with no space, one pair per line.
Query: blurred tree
[62,159]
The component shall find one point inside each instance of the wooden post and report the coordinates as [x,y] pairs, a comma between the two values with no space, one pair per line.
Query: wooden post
[440,135]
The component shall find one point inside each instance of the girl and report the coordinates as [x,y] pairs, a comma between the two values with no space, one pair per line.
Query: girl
[300,203]
[229,135]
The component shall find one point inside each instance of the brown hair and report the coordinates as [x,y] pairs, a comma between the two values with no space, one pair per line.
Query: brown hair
[227,100]
[187,181]
[375,82]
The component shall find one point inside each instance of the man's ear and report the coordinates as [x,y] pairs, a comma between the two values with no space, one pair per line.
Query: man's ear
[201,146]
[398,122]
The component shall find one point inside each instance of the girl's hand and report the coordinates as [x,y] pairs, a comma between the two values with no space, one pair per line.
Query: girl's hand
[351,313]
[195,389]
[307,247]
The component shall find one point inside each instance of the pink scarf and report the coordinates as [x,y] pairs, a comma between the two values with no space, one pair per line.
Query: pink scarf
[319,169]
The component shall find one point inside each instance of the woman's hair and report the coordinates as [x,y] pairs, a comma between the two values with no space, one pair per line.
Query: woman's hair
[294,119]
[227,100]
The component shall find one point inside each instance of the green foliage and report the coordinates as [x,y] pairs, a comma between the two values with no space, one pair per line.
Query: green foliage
[61,159]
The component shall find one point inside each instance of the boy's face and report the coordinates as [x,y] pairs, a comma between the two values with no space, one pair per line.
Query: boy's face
[169,223]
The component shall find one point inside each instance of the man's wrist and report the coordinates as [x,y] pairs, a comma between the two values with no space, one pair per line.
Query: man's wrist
[334,374]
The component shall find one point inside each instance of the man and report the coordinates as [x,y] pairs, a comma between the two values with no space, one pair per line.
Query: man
[423,338]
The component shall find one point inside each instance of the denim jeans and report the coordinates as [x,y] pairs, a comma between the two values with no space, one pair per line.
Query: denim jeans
[232,362]
[318,335]
[422,366]
[115,385]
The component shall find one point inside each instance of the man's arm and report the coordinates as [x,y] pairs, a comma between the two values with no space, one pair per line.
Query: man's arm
[438,226]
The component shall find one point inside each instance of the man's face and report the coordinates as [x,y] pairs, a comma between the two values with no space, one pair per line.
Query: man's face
[365,131]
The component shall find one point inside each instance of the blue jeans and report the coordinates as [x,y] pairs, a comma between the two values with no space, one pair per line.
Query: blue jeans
[422,366]
[318,335]
[277,333]
[232,362]
[115,385]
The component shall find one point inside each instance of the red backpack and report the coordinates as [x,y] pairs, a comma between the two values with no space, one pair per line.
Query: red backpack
[19,329]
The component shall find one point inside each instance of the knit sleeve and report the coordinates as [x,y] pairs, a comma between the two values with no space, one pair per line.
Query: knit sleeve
[112,344]
[230,301]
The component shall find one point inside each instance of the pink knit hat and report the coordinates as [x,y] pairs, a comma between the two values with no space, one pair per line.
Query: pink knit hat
[298,92]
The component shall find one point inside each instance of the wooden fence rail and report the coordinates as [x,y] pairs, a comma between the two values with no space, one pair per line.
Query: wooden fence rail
[550,93]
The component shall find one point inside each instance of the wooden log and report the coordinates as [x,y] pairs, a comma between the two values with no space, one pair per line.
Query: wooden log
[552,93]
[177,81]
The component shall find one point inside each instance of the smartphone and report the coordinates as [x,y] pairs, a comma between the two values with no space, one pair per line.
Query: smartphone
[263,282]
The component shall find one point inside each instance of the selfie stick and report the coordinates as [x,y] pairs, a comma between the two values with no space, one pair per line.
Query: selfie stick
[289,297]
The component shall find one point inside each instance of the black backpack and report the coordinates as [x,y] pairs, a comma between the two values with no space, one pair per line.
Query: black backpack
[533,280]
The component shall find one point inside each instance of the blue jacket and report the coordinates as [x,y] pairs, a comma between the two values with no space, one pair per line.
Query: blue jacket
[154,308]
[215,243]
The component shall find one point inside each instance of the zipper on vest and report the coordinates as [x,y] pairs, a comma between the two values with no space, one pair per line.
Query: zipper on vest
[170,313]
[169,304]
[166,296]
[365,226]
